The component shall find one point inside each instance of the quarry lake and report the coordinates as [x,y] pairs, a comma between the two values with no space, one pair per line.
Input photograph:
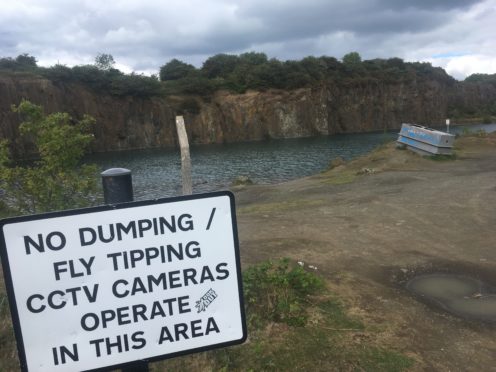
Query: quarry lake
[157,173]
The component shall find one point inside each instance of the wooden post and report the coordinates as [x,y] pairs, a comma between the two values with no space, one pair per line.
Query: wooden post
[185,156]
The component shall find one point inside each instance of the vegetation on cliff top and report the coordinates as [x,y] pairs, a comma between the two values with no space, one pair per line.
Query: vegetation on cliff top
[255,71]
[249,71]
[102,77]
[236,73]
[482,78]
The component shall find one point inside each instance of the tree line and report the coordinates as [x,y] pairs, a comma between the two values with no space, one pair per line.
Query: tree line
[235,73]
[101,76]
[239,73]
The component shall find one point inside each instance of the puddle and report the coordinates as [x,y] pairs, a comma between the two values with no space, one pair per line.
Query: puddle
[459,295]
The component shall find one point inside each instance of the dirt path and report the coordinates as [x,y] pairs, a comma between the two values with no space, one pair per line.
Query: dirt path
[373,223]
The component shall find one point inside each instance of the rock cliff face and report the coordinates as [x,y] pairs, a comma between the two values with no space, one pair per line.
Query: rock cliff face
[122,123]
[472,97]
[136,123]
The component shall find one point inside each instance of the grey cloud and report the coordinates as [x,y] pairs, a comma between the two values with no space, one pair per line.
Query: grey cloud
[7,42]
[317,17]
[427,4]
[146,34]
[313,19]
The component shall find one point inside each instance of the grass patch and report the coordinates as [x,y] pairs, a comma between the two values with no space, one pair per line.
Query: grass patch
[278,292]
[5,211]
[289,350]
[336,316]
[439,157]
[376,359]
[8,350]
[242,181]
[334,163]
[339,178]
[294,324]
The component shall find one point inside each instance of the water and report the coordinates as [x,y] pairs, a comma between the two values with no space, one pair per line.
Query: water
[489,128]
[459,295]
[157,173]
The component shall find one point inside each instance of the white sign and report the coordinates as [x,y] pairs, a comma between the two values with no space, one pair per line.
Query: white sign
[106,286]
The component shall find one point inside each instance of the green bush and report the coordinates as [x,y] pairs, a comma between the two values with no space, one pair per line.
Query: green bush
[193,84]
[57,180]
[188,106]
[57,73]
[135,85]
[481,78]
[175,70]
[278,292]
[219,66]
[23,62]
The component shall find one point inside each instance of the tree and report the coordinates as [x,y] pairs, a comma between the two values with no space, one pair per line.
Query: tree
[396,63]
[58,72]
[21,62]
[481,78]
[175,70]
[253,58]
[104,61]
[352,59]
[314,67]
[220,65]
[57,180]
[26,60]
[331,63]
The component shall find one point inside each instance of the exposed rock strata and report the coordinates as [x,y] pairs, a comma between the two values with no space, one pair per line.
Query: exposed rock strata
[136,123]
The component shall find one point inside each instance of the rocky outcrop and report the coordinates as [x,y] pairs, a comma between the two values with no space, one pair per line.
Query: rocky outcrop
[136,123]
[472,98]
[327,109]
[122,123]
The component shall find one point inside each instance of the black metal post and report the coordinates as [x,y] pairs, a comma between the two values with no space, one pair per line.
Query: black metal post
[138,366]
[117,185]
[118,188]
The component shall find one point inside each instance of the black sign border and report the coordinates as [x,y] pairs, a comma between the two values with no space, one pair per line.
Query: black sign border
[72,212]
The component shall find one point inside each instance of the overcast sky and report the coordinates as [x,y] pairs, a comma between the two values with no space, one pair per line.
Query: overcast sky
[458,35]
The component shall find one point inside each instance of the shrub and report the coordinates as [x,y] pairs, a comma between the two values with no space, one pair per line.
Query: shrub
[278,292]
[134,85]
[188,106]
[57,180]
[175,69]
[23,62]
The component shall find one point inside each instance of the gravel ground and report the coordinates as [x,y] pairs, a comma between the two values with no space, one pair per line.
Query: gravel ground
[371,224]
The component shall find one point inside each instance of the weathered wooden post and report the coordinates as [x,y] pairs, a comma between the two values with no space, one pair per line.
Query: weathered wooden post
[118,188]
[185,156]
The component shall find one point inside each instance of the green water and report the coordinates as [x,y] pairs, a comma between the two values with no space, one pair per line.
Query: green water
[156,173]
